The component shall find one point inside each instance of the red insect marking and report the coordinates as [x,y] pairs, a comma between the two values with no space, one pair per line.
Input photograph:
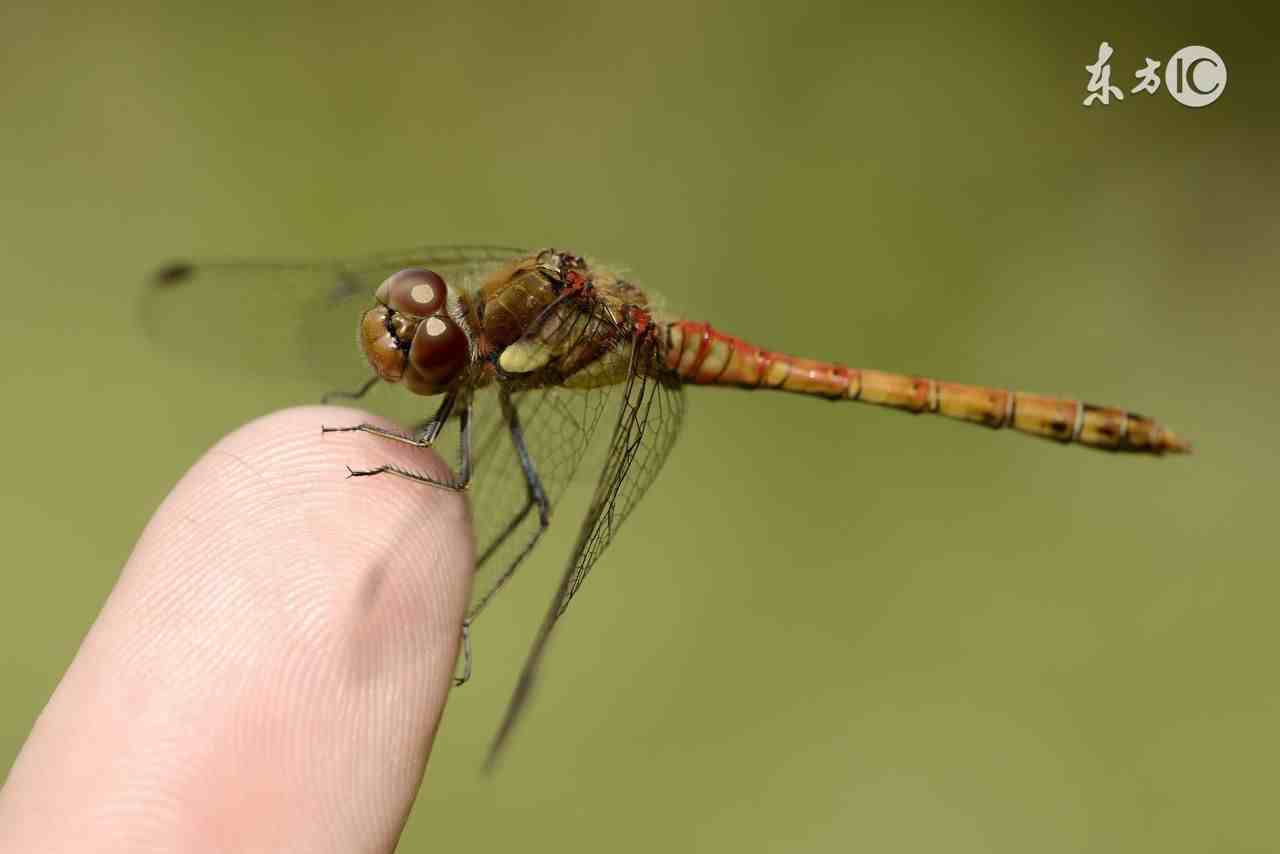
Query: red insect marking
[639,317]
[842,374]
[704,346]
[920,392]
[575,281]
[764,359]
[732,344]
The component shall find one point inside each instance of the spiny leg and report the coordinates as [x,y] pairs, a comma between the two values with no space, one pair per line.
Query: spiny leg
[455,484]
[351,395]
[424,437]
[459,681]
[537,497]
[458,484]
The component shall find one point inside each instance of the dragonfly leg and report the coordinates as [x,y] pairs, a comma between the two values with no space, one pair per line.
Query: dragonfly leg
[454,484]
[537,497]
[459,681]
[423,440]
[351,395]
[423,436]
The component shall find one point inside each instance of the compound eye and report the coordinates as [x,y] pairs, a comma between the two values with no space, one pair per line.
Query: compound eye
[380,346]
[415,291]
[439,350]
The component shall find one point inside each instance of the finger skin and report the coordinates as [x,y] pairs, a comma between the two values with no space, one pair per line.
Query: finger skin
[269,671]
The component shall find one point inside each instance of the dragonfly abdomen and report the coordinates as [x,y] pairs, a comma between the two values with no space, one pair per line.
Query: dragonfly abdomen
[699,354]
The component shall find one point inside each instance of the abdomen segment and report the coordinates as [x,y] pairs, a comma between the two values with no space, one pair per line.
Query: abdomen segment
[702,355]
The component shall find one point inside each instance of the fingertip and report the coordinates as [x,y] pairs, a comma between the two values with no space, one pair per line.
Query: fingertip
[275,658]
[280,482]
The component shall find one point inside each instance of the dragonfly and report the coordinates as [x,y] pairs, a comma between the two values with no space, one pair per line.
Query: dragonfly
[531,354]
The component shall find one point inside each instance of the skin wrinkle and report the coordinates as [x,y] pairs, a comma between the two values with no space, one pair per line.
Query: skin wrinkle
[269,671]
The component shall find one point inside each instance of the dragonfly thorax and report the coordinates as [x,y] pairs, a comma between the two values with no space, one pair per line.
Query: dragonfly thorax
[516,297]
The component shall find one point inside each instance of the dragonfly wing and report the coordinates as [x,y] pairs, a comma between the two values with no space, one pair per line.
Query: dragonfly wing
[282,318]
[557,425]
[649,418]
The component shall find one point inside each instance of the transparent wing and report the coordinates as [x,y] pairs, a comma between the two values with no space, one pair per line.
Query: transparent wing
[298,319]
[557,426]
[288,319]
[649,418]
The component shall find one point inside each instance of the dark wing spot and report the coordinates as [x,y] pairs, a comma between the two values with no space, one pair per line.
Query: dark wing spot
[173,273]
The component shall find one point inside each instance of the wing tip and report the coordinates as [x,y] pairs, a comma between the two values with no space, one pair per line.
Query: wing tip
[172,273]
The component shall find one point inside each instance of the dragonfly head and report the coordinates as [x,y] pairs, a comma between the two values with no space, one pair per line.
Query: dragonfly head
[412,334]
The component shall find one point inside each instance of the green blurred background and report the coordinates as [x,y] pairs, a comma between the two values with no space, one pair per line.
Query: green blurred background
[893,633]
